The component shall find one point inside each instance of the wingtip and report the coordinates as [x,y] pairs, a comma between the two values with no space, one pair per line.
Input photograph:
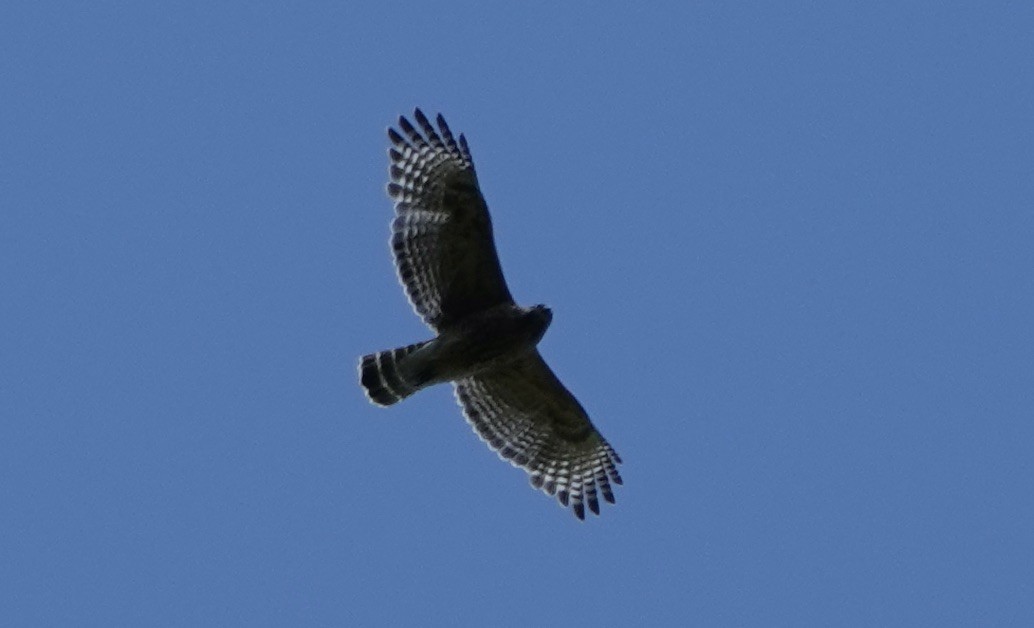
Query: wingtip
[406,125]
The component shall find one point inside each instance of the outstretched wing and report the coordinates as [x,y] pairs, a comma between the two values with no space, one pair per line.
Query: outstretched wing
[527,416]
[442,235]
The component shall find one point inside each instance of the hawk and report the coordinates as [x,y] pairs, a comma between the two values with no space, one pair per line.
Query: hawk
[485,345]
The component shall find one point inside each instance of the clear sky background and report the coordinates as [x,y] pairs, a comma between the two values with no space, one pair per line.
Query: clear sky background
[789,248]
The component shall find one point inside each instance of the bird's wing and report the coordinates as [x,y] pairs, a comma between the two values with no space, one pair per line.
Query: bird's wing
[442,234]
[528,417]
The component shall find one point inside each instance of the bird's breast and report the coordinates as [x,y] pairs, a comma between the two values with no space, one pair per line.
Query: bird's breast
[486,340]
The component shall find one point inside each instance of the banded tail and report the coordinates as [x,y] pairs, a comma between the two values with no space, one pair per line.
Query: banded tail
[388,377]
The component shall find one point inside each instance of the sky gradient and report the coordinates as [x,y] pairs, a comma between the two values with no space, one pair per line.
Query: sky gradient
[788,248]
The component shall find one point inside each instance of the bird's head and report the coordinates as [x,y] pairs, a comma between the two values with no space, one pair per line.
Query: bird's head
[543,313]
[537,319]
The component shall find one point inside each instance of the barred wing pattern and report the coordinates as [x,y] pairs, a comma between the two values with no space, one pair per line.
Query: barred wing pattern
[446,260]
[442,234]
[528,417]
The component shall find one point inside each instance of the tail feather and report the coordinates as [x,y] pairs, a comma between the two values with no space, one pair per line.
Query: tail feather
[385,378]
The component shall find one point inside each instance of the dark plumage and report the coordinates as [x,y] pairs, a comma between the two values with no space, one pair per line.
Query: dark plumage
[486,344]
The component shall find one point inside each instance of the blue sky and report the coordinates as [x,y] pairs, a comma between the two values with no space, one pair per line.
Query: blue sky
[788,247]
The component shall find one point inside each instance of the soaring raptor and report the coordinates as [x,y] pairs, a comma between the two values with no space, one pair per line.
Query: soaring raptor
[445,255]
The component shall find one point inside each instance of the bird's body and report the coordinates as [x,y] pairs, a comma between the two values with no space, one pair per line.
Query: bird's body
[486,344]
[477,343]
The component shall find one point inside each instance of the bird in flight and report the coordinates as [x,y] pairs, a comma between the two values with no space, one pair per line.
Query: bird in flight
[485,343]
